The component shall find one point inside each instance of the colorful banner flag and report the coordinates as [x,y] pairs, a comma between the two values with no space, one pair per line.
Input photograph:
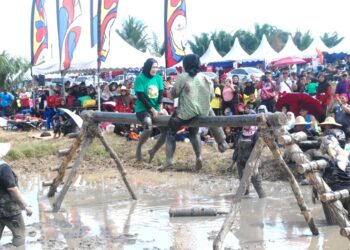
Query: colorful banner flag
[320,55]
[39,34]
[107,14]
[93,21]
[68,13]
[175,27]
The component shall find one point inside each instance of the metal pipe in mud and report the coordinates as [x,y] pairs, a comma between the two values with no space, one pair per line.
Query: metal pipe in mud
[274,119]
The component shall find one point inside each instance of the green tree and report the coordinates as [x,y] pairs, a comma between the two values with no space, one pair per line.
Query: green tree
[248,40]
[156,48]
[200,43]
[330,40]
[302,40]
[12,70]
[278,39]
[265,29]
[134,32]
[223,41]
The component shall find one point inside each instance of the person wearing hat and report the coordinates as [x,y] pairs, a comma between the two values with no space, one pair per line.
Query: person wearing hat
[342,85]
[11,201]
[249,91]
[331,127]
[300,126]
[267,89]
[123,104]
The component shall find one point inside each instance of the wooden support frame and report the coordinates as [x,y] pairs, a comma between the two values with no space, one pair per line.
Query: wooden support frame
[89,131]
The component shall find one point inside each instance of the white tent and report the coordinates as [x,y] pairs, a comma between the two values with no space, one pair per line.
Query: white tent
[264,52]
[236,53]
[342,47]
[289,49]
[211,55]
[123,55]
[317,43]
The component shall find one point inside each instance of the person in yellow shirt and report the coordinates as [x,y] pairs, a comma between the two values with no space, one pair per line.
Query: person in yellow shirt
[215,103]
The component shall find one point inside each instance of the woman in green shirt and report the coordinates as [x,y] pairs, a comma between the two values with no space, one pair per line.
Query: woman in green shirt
[149,88]
[194,91]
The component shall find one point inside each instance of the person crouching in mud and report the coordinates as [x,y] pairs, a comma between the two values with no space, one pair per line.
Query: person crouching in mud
[11,201]
[195,91]
[244,146]
[149,91]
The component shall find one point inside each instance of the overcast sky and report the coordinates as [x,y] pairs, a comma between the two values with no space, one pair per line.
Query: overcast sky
[318,16]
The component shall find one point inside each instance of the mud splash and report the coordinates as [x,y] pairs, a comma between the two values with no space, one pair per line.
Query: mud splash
[98,214]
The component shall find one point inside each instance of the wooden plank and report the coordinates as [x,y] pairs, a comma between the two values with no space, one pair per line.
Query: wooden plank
[251,165]
[120,167]
[270,142]
[312,166]
[336,195]
[85,145]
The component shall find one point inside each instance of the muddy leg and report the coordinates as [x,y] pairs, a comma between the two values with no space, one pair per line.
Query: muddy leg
[219,135]
[147,125]
[197,146]
[257,183]
[240,169]
[159,143]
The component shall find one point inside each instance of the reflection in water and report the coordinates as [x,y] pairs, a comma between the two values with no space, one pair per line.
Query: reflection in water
[97,213]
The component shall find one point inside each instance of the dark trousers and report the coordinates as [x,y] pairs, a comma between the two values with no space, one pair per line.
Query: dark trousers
[16,225]
[270,104]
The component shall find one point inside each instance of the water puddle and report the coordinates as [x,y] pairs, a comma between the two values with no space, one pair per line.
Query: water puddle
[97,213]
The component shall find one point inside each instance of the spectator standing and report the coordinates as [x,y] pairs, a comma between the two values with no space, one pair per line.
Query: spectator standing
[267,89]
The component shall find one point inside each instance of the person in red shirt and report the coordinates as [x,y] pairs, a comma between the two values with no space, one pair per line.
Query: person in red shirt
[323,94]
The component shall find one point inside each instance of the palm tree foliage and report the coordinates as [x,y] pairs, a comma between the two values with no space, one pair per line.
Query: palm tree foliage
[302,40]
[134,32]
[330,40]
[200,43]
[12,69]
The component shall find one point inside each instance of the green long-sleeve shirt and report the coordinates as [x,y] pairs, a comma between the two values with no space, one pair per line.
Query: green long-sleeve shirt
[194,93]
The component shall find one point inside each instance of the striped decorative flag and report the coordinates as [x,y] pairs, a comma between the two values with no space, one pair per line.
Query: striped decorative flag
[175,27]
[107,14]
[68,14]
[39,34]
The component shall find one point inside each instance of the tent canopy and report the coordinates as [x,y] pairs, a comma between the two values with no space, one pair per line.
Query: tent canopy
[211,55]
[236,53]
[289,49]
[264,52]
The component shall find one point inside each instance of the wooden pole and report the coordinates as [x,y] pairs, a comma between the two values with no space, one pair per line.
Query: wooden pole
[251,165]
[117,161]
[195,211]
[288,139]
[64,164]
[336,209]
[270,141]
[85,146]
[312,166]
[336,195]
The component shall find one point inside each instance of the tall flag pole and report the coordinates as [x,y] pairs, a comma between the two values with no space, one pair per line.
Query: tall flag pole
[68,12]
[38,37]
[106,14]
[174,31]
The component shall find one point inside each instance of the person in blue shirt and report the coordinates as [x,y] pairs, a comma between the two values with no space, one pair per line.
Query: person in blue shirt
[5,103]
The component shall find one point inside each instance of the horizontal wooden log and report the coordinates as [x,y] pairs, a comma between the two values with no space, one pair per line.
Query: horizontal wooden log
[63,152]
[309,144]
[345,232]
[196,211]
[56,168]
[312,166]
[274,119]
[292,138]
[336,195]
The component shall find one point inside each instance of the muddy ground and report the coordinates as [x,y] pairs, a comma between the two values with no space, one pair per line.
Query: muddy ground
[98,213]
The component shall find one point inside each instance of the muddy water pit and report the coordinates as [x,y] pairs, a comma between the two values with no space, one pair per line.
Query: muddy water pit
[97,213]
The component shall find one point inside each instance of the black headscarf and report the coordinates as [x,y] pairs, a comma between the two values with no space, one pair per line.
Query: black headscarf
[192,64]
[147,66]
[323,86]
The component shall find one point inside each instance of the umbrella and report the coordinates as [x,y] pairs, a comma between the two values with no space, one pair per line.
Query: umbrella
[298,100]
[76,118]
[290,60]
